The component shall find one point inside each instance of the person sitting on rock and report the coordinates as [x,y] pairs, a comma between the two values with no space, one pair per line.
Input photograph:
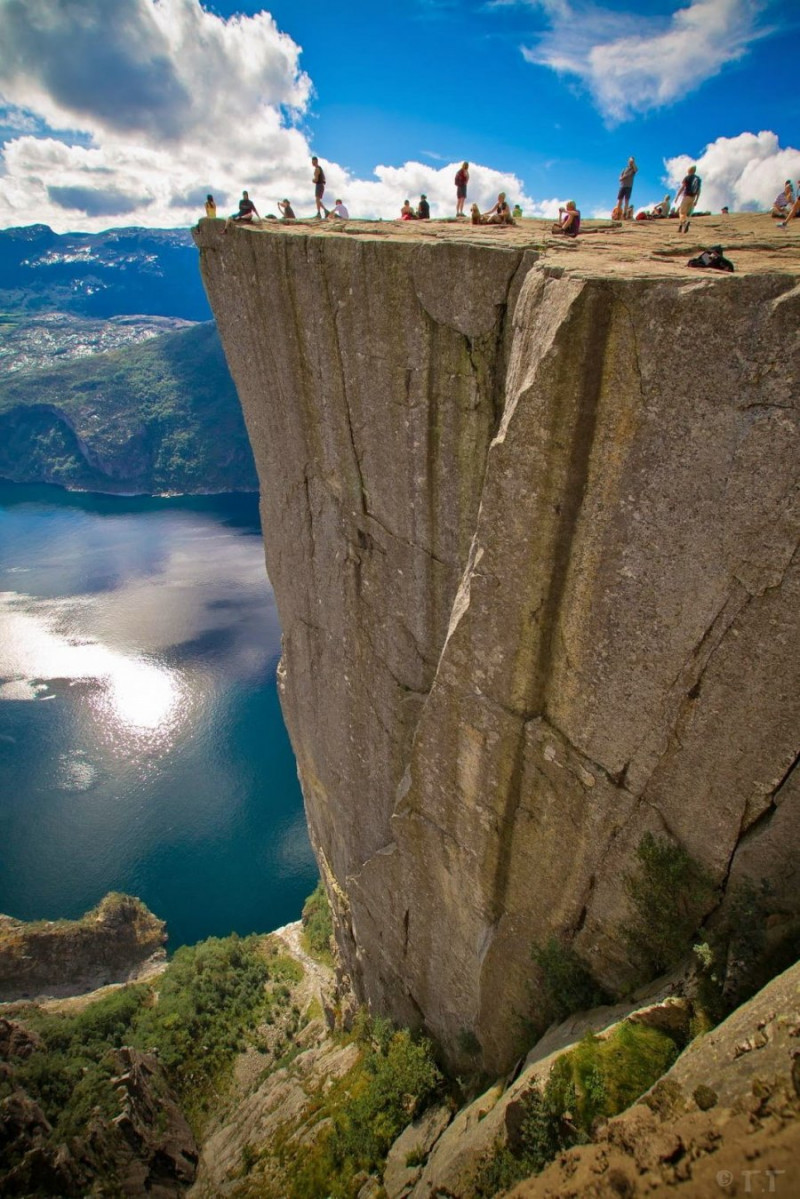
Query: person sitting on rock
[499,213]
[247,210]
[339,212]
[211,207]
[423,209]
[569,220]
[794,211]
[516,212]
[664,208]
[286,210]
[475,215]
[407,212]
[783,201]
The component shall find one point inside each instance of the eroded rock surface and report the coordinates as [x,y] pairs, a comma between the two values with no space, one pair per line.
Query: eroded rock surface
[725,1120]
[531,518]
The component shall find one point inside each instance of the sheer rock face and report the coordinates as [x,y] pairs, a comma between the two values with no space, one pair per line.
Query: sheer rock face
[533,535]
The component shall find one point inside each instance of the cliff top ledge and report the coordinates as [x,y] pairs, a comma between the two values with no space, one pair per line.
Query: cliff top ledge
[636,249]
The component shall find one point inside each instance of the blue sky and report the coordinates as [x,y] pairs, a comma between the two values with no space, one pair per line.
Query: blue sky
[547,98]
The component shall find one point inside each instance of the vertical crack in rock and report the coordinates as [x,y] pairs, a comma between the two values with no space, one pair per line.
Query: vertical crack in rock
[592,319]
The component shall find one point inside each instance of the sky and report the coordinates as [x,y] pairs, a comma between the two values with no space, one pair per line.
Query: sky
[127,112]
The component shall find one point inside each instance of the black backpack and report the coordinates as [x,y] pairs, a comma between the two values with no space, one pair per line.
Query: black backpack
[712,259]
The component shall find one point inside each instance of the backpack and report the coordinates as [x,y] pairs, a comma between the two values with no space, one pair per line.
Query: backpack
[712,259]
[321,177]
[693,185]
[460,180]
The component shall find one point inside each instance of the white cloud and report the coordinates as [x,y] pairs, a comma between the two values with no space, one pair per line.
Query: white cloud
[632,63]
[746,171]
[163,103]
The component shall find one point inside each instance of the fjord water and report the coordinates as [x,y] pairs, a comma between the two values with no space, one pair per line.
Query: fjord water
[142,747]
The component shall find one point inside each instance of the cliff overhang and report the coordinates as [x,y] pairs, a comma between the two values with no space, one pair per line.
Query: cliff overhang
[530,514]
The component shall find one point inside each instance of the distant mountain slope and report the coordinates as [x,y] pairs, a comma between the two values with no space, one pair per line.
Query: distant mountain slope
[163,416]
[46,339]
[119,272]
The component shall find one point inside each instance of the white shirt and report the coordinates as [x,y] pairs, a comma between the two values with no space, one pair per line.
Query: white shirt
[340,211]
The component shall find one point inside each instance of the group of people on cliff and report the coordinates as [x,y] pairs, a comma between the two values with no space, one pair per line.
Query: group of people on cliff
[785,208]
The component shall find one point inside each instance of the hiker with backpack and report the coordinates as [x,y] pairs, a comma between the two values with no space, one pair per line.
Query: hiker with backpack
[687,197]
[461,181]
[625,188]
[319,187]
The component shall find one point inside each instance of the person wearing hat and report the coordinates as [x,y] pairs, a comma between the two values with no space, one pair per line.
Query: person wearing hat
[286,210]
[339,211]
[687,197]
[424,209]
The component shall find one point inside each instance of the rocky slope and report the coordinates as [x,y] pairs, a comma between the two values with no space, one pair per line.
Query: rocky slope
[111,943]
[530,516]
[94,396]
[152,418]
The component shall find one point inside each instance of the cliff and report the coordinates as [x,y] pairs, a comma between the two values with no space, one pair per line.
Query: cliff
[110,944]
[530,517]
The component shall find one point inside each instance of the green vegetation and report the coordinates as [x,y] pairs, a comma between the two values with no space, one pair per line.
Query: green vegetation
[318,926]
[71,1074]
[196,1018]
[161,416]
[600,1077]
[209,998]
[359,1117]
[567,983]
[737,958]
[668,895]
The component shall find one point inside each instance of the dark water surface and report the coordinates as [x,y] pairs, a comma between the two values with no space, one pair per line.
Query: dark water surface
[142,747]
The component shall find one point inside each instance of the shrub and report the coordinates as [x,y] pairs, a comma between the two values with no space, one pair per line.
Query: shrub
[567,983]
[395,1080]
[596,1078]
[601,1077]
[668,894]
[736,960]
[210,995]
[540,1136]
[318,925]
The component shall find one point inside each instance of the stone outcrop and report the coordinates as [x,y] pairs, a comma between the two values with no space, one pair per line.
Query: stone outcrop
[146,1148]
[531,519]
[725,1120]
[110,944]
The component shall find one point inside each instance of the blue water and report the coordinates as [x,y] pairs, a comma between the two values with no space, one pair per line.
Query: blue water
[142,747]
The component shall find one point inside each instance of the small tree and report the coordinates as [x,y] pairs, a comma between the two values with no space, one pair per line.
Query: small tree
[567,983]
[668,893]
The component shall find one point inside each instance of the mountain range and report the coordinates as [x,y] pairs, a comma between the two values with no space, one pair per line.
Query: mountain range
[113,378]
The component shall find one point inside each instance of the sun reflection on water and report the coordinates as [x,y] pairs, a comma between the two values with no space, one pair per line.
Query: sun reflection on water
[135,697]
[142,695]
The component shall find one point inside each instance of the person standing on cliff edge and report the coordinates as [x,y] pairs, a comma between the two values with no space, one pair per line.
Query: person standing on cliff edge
[462,179]
[688,195]
[625,188]
[319,187]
